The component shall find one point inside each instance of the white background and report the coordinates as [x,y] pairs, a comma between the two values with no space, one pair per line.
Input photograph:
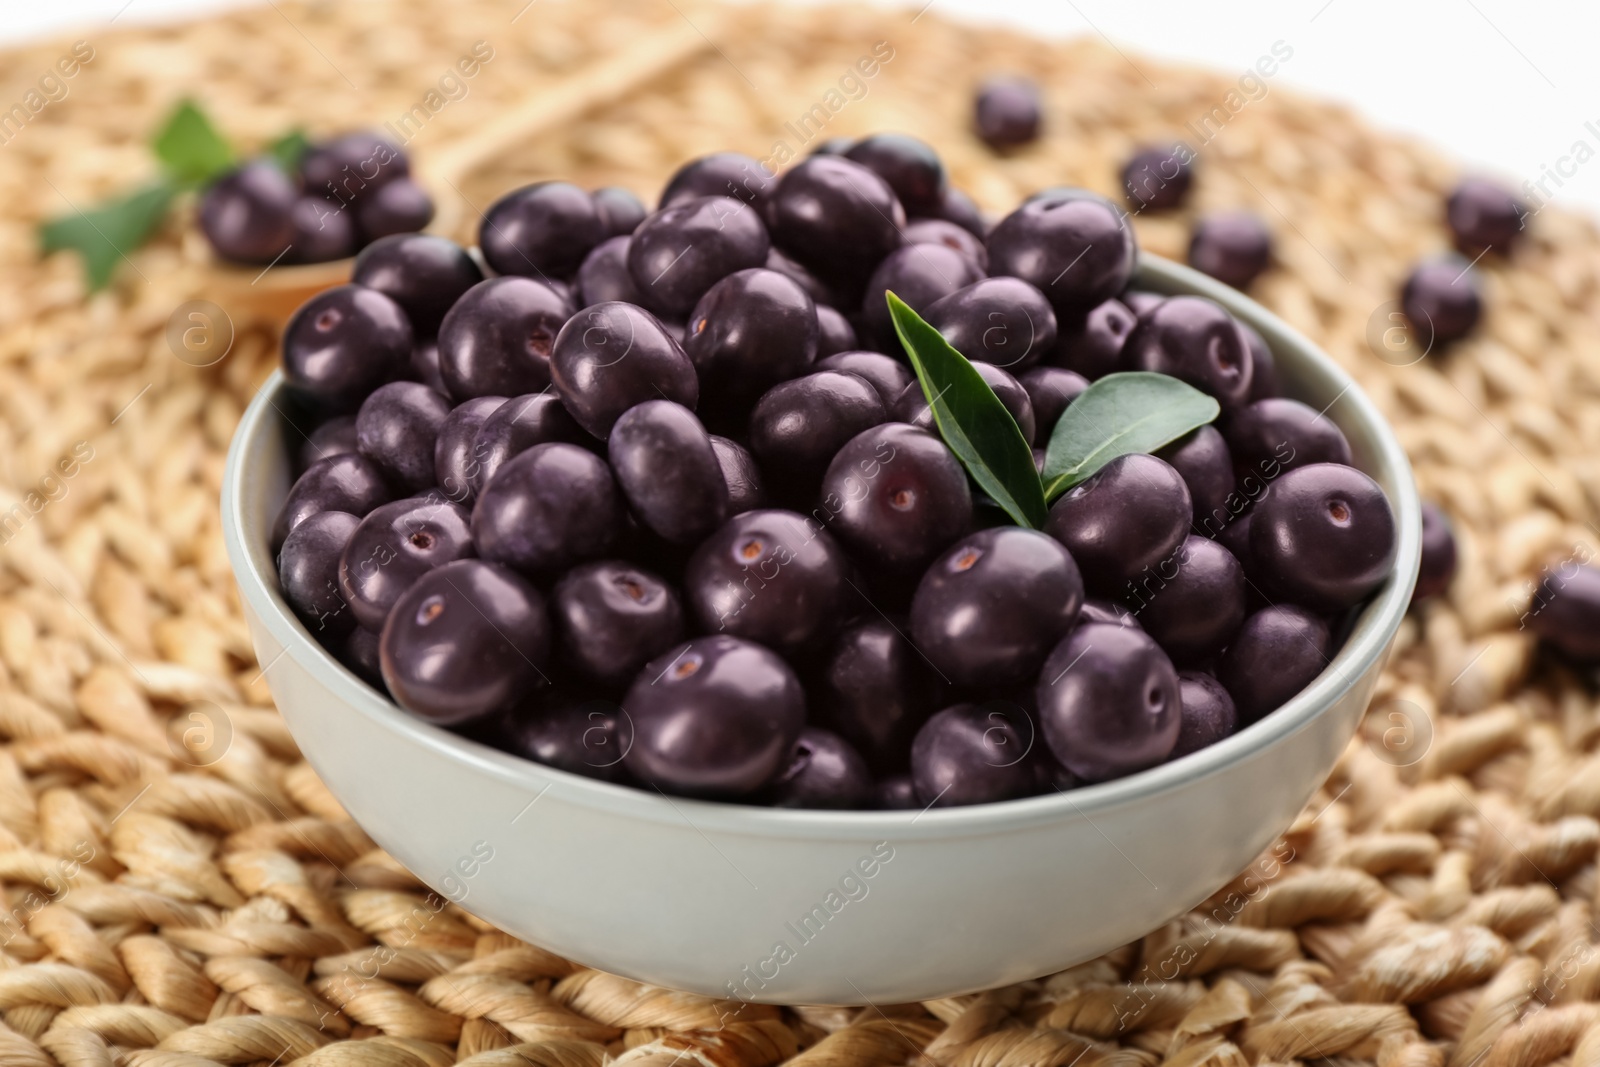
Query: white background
[1502,84]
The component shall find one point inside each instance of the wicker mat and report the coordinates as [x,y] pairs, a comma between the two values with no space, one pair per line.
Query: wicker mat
[1439,908]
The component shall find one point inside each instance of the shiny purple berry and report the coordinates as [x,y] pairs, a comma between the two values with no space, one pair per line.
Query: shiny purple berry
[422,273]
[549,508]
[718,717]
[466,640]
[668,471]
[770,576]
[613,618]
[396,429]
[343,343]
[1123,521]
[987,612]
[836,217]
[920,275]
[1074,246]
[1003,321]
[877,690]
[344,482]
[1202,459]
[951,235]
[750,331]
[395,545]
[498,338]
[741,474]
[1191,603]
[612,356]
[1323,536]
[514,427]
[1197,341]
[1275,654]
[1108,702]
[541,229]
[619,210]
[1092,344]
[1051,390]
[730,174]
[897,497]
[308,570]
[911,167]
[455,459]
[823,771]
[797,427]
[975,754]
[604,275]
[587,737]
[1208,713]
[1275,435]
[684,249]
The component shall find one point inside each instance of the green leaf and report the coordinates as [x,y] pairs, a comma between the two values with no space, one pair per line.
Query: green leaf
[190,147]
[104,235]
[288,150]
[971,419]
[1137,411]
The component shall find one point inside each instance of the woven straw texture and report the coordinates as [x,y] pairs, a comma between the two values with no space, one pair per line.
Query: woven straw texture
[1438,909]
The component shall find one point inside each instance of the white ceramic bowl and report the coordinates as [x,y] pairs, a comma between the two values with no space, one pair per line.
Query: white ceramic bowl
[802,907]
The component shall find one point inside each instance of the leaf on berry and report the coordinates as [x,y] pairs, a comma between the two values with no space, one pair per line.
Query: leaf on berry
[1137,411]
[104,235]
[190,147]
[288,150]
[971,419]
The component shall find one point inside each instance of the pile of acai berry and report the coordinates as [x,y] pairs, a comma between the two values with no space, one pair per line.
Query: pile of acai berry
[813,490]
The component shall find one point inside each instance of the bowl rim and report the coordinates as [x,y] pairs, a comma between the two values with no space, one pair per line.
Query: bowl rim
[1368,641]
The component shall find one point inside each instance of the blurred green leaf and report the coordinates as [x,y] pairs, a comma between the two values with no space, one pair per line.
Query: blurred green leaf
[105,234]
[971,419]
[288,150]
[190,147]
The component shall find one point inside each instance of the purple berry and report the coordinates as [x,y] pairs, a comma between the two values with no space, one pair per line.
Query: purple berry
[718,717]
[770,576]
[613,618]
[1074,246]
[1006,112]
[465,641]
[1108,702]
[823,771]
[498,338]
[548,508]
[1233,247]
[1208,713]
[1275,654]
[395,545]
[1323,536]
[343,343]
[422,273]
[668,471]
[541,229]
[987,612]
[612,356]
[396,429]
